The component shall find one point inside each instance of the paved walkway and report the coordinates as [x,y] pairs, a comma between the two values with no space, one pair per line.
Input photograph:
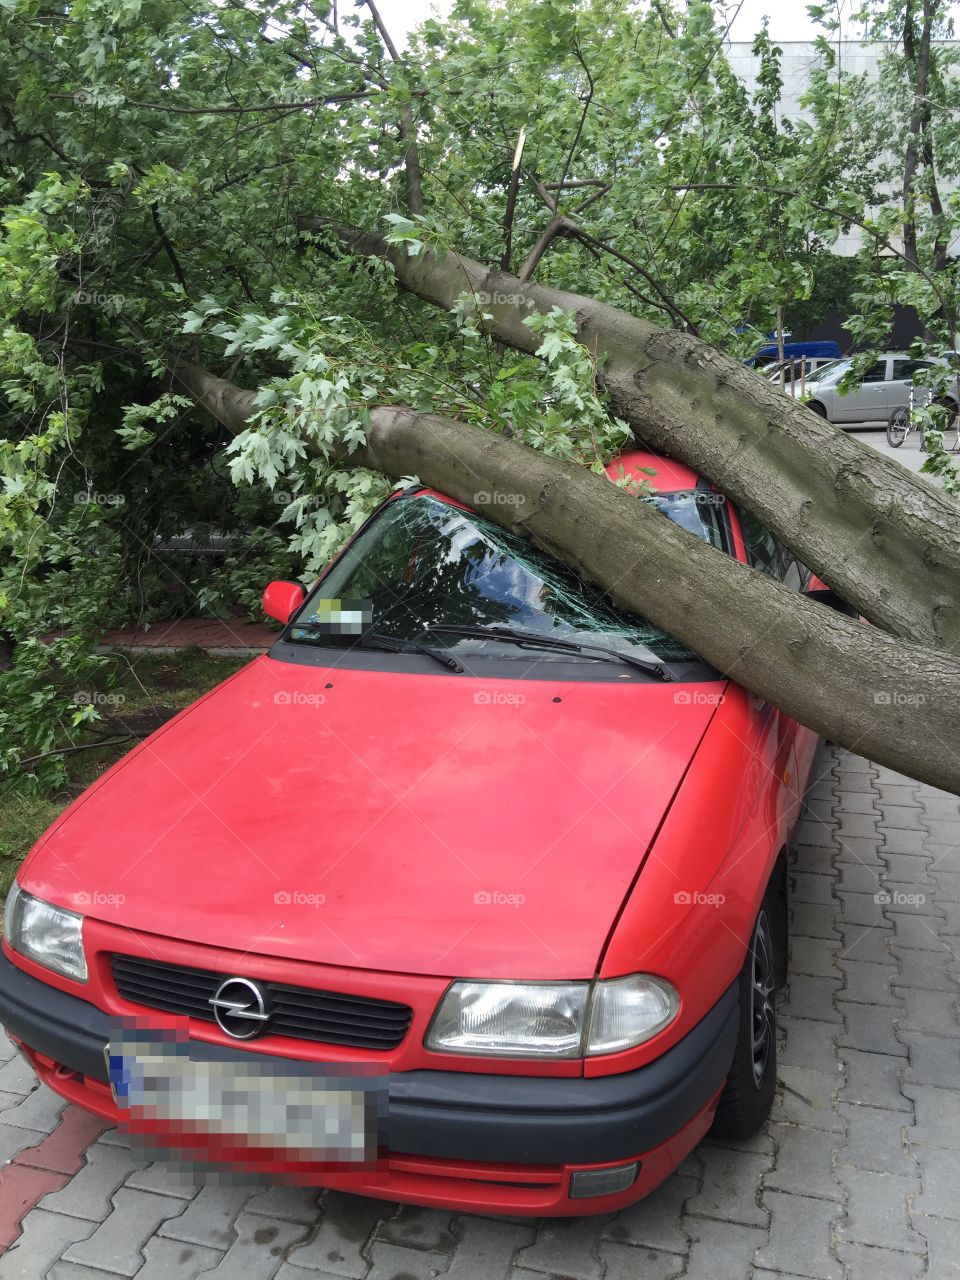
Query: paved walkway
[856,1177]
[219,635]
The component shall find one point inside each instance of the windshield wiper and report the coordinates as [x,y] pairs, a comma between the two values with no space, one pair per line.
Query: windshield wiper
[390,644]
[534,640]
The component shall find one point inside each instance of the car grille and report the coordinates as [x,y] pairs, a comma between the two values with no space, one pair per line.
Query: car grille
[301,1012]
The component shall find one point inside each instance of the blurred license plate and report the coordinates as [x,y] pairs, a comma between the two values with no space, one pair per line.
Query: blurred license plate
[307,1111]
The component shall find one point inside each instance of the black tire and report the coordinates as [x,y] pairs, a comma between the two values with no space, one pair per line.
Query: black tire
[816,407]
[748,1096]
[897,426]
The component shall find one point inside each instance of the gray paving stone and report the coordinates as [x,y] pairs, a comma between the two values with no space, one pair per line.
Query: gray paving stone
[926,970]
[39,1110]
[943,1246]
[931,1013]
[878,1264]
[874,1080]
[87,1194]
[390,1261]
[8,1049]
[290,1204]
[731,1187]
[166,1177]
[259,1247]
[800,1236]
[420,1229]
[720,1249]
[627,1262]
[947,883]
[940,1178]
[487,1248]
[808,919]
[863,943]
[566,1246]
[347,1224]
[869,983]
[901,794]
[13,1140]
[877,1210]
[816,832]
[804,1162]
[864,852]
[862,908]
[940,805]
[655,1221]
[915,932]
[806,1098]
[848,801]
[871,1028]
[807,887]
[856,826]
[876,1140]
[209,1217]
[42,1241]
[914,896]
[813,956]
[943,831]
[933,1060]
[937,1115]
[17,1076]
[813,858]
[165,1260]
[809,1044]
[901,817]
[117,1244]
[812,998]
[908,868]
[858,877]
[899,840]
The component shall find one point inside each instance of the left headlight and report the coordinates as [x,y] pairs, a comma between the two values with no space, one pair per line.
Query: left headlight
[48,935]
[552,1019]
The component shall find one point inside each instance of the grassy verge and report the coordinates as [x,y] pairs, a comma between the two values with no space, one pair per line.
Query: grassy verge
[147,690]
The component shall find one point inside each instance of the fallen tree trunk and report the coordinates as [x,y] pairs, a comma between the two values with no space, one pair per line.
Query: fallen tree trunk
[896,702]
[882,538]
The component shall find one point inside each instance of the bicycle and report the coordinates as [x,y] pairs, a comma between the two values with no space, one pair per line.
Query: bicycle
[900,424]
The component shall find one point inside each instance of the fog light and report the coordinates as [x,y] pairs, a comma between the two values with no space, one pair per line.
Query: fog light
[602,1182]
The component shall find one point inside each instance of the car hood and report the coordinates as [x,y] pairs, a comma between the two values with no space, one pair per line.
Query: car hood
[416,823]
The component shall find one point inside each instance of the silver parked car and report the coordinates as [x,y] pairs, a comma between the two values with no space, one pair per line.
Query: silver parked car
[886,386]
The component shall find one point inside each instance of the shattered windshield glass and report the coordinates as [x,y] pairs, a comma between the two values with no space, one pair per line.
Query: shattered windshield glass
[422,563]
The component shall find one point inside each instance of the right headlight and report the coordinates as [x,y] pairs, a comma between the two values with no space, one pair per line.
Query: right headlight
[552,1019]
[48,935]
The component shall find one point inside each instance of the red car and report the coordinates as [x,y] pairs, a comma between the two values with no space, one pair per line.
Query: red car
[471,892]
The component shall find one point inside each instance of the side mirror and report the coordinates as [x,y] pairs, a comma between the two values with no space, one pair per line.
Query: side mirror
[282,599]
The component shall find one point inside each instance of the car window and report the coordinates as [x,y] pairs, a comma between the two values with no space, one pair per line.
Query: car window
[761,546]
[903,370]
[422,562]
[699,511]
[876,372]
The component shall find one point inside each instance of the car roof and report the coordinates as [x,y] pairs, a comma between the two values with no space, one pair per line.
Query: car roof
[669,475]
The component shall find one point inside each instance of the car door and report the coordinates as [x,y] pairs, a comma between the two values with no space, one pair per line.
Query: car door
[866,403]
[901,383]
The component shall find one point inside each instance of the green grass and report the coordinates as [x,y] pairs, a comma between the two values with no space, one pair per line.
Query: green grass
[150,684]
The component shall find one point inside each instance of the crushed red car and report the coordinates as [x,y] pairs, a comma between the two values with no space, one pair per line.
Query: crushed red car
[471,892]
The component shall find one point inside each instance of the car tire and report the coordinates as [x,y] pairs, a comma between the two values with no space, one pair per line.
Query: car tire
[816,407]
[748,1095]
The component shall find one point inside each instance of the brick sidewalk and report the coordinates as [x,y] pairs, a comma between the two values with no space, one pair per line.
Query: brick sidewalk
[856,1177]
[219,635]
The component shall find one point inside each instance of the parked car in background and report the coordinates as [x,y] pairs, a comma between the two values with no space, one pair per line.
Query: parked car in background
[886,386]
[769,354]
[470,893]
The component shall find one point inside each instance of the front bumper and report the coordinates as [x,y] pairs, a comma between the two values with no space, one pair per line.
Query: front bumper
[442,1116]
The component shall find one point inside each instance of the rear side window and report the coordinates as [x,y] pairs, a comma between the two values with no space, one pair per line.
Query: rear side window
[876,372]
[903,370]
[762,547]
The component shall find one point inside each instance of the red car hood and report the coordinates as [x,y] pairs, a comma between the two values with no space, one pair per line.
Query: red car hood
[424,824]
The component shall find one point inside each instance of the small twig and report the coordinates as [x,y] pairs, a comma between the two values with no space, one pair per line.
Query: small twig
[86,746]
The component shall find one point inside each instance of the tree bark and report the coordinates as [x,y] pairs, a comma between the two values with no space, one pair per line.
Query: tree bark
[884,539]
[895,702]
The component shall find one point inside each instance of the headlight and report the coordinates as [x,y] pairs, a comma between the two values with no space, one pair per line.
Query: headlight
[46,934]
[551,1019]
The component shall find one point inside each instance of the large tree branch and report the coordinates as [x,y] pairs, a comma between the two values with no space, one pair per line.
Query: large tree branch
[893,701]
[885,539]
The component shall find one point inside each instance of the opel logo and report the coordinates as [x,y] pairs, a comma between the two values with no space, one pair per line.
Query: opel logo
[240,1008]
